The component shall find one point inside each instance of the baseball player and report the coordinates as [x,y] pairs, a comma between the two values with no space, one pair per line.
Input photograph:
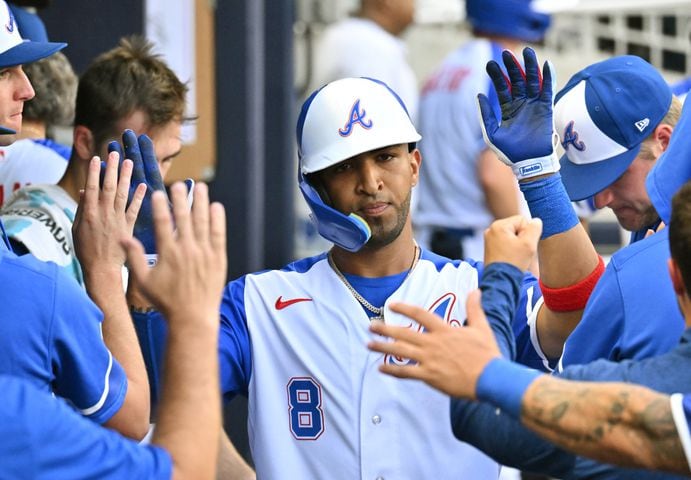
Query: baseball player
[611,422]
[294,340]
[463,187]
[51,332]
[39,218]
[661,373]
[615,119]
[34,158]
[43,438]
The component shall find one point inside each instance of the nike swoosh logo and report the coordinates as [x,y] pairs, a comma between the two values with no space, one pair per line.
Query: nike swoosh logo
[281,304]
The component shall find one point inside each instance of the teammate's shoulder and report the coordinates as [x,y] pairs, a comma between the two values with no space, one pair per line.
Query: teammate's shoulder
[644,251]
[26,269]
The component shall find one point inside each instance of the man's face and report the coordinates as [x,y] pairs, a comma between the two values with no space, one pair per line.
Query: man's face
[628,198]
[166,138]
[15,89]
[375,185]
[404,13]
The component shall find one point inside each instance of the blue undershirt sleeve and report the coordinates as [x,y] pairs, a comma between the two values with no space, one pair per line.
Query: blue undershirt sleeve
[234,342]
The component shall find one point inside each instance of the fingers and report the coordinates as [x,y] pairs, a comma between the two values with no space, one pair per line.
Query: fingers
[516,74]
[531,231]
[123,188]
[549,81]
[136,260]
[218,233]
[129,140]
[489,120]
[400,371]
[398,348]
[181,213]
[476,315]
[501,83]
[427,319]
[163,222]
[135,205]
[200,213]
[533,76]
[91,188]
[151,168]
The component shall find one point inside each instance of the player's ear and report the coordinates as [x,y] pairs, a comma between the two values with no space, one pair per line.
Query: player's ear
[83,142]
[677,280]
[415,162]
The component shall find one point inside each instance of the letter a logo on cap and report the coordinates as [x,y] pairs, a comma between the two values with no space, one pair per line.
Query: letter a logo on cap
[10,26]
[357,116]
[570,137]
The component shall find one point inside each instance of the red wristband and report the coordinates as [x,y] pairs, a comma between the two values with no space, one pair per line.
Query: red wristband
[574,297]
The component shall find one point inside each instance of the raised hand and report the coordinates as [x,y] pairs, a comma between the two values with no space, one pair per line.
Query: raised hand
[104,216]
[145,170]
[512,240]
[525,138]
[191,269]
[447,358]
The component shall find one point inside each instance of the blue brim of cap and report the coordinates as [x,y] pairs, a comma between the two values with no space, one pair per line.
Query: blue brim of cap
[584,181]
[27,52]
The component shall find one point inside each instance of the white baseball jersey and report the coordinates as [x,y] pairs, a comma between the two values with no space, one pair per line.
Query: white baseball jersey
[295,341]
[41,218]
[26,162]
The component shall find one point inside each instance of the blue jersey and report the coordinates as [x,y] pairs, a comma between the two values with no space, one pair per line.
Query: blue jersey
[42,438]
[633,311]
[50,335]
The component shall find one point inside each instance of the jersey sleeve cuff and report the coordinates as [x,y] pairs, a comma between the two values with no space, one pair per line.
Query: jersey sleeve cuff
[503,384]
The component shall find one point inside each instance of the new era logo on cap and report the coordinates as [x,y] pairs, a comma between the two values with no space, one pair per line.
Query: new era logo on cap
[641,124]
[605,112]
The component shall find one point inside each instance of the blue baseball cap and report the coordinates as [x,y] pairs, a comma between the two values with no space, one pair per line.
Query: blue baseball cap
[14,50]
[673,169]
[602,116]
[31,27]
[510,18]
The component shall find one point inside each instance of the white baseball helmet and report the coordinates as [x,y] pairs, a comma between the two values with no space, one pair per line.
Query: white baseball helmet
[341,120]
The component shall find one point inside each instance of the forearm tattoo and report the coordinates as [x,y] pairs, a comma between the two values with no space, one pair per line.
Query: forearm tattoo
[616,423]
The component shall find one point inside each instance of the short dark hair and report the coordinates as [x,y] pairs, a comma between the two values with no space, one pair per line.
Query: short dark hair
[126,79]
[680,233]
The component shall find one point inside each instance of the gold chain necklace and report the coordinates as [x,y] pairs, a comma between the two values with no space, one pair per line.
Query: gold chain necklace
[377,311]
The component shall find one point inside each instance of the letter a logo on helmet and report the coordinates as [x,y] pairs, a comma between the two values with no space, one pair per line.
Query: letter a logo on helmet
[356,116]
[325,140]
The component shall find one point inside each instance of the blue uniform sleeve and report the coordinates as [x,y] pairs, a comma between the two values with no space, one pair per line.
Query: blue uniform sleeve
[42,438]
[152,333]
[234,342]
[86,373]
[661,373]
[500,285]
[511,444]
[510,300]
[600,330]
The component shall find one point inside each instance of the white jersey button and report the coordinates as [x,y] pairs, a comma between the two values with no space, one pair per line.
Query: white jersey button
[376,419]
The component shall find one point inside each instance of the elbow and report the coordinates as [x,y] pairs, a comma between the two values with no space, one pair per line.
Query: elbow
[132,420]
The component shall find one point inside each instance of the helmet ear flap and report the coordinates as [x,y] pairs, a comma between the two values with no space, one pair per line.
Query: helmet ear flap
[349,232]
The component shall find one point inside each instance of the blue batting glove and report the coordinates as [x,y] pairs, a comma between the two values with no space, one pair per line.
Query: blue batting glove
[145,170]
[525,138]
